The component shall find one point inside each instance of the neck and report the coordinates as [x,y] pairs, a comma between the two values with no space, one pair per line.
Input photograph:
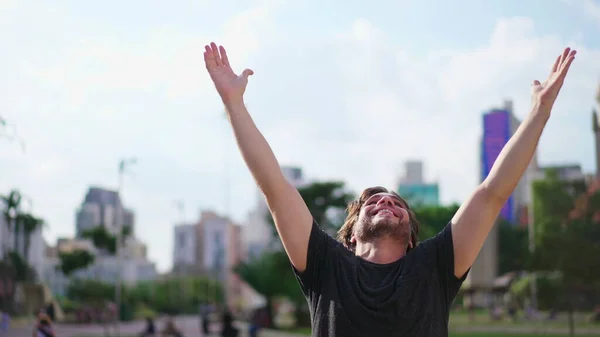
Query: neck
[381,251]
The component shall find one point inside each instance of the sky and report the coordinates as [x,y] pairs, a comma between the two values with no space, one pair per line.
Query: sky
[347,90]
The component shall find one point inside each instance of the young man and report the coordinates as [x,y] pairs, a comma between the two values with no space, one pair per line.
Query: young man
[377,281]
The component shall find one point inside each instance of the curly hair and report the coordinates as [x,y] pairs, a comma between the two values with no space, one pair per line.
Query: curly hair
[345,233]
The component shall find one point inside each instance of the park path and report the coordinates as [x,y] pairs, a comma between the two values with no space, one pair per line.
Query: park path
[190,326]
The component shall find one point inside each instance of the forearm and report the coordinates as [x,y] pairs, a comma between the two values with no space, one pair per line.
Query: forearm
[257,153]
[516,155]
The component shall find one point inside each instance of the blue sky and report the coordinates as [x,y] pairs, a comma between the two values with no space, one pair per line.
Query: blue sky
[347,90]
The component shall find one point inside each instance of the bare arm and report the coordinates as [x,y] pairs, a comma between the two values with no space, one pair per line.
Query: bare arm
[292,217]
[475,218]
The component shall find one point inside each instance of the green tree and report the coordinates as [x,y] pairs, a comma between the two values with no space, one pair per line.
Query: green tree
[10,210]
[102,239]
[90,291]
[29,224]
[75,260]
[567,236]
[513,248]
[433,219]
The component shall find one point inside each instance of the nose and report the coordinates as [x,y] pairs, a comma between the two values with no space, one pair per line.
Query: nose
[386,200]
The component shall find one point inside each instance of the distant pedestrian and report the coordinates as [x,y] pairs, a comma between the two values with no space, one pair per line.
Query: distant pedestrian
[228,329]
[43,327]
[4,322]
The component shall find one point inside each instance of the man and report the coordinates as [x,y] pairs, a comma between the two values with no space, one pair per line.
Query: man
[377,281]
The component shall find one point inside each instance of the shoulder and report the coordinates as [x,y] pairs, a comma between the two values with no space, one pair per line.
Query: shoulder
[429,251]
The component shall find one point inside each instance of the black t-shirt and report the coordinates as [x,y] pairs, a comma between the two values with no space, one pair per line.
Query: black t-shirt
[351,297]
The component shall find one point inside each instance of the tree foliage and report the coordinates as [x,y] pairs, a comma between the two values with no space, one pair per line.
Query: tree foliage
[102,239]
[433,219]
[567,237]
[513,248]
[75,260]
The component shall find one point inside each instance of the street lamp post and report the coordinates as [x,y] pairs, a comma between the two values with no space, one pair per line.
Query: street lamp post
[123,164]
[531,232]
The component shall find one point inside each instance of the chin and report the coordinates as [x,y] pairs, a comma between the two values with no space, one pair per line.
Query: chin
[387,221]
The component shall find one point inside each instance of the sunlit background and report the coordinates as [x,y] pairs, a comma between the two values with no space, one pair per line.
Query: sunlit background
[343,91]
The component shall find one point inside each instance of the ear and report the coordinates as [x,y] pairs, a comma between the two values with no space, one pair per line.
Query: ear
[410,245]
[353,239]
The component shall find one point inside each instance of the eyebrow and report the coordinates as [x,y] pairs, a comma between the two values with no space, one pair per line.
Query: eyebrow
[380,195]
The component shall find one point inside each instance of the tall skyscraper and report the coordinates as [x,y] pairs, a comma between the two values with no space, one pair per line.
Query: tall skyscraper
[498,126]
[414,189]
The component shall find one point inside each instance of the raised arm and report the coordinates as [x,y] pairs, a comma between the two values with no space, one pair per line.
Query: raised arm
[292,217]
[475,218]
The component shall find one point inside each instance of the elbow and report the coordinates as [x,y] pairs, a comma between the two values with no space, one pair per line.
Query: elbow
[493,195]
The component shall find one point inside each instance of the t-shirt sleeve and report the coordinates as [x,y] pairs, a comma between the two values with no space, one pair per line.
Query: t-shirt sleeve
[444,251]
[320,247]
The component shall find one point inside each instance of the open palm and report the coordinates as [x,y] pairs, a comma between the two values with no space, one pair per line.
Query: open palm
[229,85]
[545,93]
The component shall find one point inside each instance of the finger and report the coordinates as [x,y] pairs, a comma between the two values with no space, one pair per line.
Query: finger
[247,73]
[556,64]
[215,51]
[564,56]
[565,68]
[224,57]
[209,59]
[535,83]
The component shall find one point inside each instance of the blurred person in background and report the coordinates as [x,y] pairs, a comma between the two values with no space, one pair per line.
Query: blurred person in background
[4,322]
[43,327]
[228,330]
[150,330]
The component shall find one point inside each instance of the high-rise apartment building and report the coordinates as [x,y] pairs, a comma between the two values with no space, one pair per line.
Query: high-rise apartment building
[211,247]
[414,189]
[498,127]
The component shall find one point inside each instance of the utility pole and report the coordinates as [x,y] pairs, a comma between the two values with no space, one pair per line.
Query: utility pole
[123,165]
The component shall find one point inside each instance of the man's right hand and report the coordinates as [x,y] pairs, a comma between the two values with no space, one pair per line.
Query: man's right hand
[230,86]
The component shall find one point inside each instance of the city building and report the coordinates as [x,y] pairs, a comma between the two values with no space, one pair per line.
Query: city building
[102,207]
[212,247]
[187,249]
[498,127]
[258,232]
[5,241]
[414,189]
[106,268]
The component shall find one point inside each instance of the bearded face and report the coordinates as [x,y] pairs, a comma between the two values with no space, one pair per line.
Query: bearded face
[383,215]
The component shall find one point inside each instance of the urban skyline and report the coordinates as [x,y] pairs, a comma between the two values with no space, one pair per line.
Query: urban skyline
[81,98]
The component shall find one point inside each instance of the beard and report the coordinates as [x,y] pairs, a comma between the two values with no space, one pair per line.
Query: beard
[373,228]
